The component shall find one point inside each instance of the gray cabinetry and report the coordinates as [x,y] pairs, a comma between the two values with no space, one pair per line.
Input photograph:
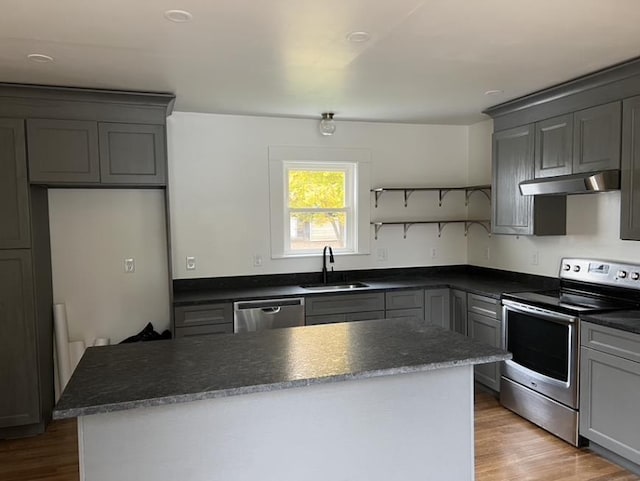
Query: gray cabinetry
[610,389]
[86,152]
[203,319]
[63,151]
[554,146]
[485,325]
[132,154]
[596,144]
[19,402]
[405,303]
[630,179]
[14,188]
[459,311]
[344,307]
[437,307]
[512,212]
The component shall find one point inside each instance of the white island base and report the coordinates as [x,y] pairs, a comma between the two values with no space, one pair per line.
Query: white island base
[416,426]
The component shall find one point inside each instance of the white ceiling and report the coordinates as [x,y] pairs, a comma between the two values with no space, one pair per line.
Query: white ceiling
[428,61]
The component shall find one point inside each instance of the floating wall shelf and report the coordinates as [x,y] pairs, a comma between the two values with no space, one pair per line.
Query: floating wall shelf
[442,191]
[441,224]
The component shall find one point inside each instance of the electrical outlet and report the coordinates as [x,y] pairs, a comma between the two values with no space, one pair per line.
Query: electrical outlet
[434,252]
[191,263]
[257,260]
[382,254]
[130,265]
[487,253]
[535,259]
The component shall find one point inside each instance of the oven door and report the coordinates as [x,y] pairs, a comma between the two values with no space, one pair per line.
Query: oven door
[544,345]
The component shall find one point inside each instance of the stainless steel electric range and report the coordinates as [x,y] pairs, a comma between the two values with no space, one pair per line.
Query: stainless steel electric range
[542,331]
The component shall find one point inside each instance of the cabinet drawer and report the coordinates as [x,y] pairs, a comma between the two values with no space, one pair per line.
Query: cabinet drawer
[485,306]
[404,299]
[203,315]
[416,313]
[352,316]
[613,341]
[343,304]
[192,331]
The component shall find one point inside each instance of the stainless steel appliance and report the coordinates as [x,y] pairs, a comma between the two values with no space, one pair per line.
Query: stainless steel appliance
[541,330]
[267,314]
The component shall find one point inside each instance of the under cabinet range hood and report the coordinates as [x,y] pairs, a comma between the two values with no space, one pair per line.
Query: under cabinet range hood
[584,183]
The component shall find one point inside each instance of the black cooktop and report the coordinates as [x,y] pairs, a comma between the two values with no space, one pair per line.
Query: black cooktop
[571,301]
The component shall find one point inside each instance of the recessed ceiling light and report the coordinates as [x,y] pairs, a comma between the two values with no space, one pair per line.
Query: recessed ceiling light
[494,92]
[358,37]
[178,16]
[40,58]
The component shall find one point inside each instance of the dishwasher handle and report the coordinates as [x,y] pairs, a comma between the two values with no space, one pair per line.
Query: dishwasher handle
[271,310]
[267,304]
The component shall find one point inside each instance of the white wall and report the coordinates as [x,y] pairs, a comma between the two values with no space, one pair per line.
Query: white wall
[593,226]
[219,190]
[92,232]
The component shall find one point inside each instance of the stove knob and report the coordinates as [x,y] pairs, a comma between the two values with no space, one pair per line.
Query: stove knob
[622,274]
[635,276]
[576,268]
[566,267]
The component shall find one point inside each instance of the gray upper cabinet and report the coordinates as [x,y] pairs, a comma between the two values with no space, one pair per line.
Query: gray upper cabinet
[554,146]
[19,403]
[63,151]
[630,179]
[437,307]
[132,154]
[596,141]
[512,212]
[14,188]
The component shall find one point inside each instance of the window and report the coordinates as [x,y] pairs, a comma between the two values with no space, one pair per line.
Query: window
[319,197]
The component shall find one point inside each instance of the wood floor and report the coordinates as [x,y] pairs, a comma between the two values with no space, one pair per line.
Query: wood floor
[507,448]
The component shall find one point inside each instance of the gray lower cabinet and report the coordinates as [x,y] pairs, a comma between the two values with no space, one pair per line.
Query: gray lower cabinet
[610,389]
[488,330]
[437,307]
[326,309]
[596,139]
[512,212]
[346,317]
[405,303]
[630,179]
[86,152]
[554,146]
[14,187]
[203,319]
[459,311]
[20,401]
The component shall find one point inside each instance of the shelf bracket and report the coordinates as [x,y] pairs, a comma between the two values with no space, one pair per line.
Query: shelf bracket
[441,194]
[406,228]
[407,194]
[441,226]
[377,193]
[376,227]
[469,193]
[468,224]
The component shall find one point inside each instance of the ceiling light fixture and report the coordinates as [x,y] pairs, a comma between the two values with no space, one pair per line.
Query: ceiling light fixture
[178,16]
[40,58]
[327,124]
[494,92]
[358,37]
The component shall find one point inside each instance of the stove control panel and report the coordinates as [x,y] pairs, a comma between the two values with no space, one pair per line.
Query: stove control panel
[597,271]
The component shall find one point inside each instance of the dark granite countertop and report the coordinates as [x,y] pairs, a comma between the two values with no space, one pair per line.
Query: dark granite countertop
[127,376]
[484,282]
[623,320]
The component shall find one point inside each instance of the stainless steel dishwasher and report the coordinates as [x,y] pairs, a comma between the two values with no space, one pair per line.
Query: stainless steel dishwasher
[268,314]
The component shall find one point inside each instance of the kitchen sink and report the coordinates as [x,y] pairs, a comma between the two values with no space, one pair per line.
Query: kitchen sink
[343,286]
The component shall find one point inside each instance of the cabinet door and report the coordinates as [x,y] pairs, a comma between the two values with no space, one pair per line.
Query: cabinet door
[512,163]
[19,401]
[596,138]
[205,330]
[609,400]
[630,182]
[437,307]
[132,154]
[187,316]
[554,146]
[459,311]
[404,299]
[14,187]
[344,303]
[63,151]
[487,330]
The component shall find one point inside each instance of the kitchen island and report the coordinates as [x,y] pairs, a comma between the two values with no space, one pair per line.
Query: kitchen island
[370,400]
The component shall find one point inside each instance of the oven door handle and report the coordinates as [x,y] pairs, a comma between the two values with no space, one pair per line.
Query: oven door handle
[557,317]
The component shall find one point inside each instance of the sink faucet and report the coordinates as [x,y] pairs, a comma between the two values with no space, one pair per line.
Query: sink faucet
[324,262]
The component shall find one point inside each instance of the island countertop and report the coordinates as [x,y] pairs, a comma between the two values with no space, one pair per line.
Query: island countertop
[128,376]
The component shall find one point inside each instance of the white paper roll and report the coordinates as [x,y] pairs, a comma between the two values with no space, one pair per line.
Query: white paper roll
[62,343]
[76,350]
[102,341]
